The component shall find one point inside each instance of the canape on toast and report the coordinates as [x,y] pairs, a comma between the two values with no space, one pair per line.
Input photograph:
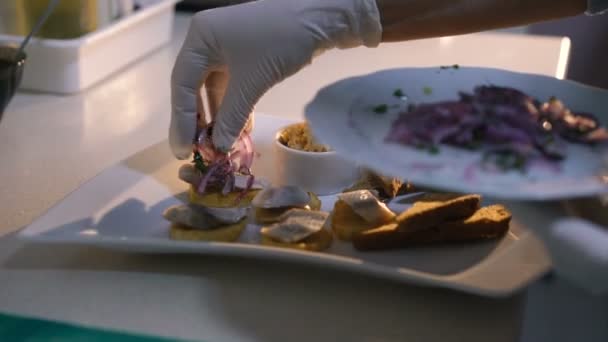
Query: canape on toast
[219,195]
[357,211]
[299,229]
[209,216]
[269,204]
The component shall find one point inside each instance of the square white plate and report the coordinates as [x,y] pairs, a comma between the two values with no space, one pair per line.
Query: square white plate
[121,209]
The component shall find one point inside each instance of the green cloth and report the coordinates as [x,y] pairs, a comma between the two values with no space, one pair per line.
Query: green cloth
[22,329]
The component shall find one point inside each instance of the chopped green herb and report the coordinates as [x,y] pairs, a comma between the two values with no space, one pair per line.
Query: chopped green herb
[445,67]
[507,161]
[432,149]
[199,163]
[520,163]
[427,90]
[398,93]
[380,109]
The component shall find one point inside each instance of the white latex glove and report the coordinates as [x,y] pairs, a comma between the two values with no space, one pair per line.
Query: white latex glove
[239,52]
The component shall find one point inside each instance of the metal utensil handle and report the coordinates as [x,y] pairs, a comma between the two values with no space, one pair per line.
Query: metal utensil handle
[37,27]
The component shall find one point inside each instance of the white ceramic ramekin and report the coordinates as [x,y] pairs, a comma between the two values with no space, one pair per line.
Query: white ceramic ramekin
[324,173]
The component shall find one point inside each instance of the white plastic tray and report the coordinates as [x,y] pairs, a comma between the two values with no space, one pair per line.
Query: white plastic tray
[72,65]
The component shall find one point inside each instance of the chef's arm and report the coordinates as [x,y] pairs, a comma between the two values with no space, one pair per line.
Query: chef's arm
[415,19]
[239,52]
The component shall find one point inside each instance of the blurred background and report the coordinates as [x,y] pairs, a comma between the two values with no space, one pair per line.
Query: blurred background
[589,54]
[589,36]
[74,18]
[70,19]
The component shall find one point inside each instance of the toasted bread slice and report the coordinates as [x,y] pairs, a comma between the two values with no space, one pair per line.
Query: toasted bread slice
[271,215]
[219,200]
[317,242]
[486,223]
[227,233]
[433,209]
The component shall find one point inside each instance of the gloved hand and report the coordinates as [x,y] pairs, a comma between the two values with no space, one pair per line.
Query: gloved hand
[239,52]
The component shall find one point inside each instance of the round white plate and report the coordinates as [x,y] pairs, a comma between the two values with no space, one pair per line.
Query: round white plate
[342,116]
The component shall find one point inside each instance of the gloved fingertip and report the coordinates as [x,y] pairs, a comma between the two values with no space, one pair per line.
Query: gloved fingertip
[182,131]
[222,141]
[180,151]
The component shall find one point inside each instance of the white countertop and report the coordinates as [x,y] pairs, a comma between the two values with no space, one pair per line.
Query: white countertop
[50,145]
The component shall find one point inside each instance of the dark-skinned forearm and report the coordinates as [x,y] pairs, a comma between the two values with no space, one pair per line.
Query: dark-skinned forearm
[416,19]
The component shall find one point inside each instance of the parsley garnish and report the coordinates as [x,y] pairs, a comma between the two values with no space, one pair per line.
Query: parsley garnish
[507,161]
[398,93]
[432,149]
[380,109]
[427,90]
[199,163]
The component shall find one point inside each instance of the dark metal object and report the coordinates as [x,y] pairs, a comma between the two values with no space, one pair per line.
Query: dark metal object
[11,71]
[201,5]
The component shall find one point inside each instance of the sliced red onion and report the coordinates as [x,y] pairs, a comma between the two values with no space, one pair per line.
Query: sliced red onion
[207,177]
[222,168]
[504,133]
[499,117]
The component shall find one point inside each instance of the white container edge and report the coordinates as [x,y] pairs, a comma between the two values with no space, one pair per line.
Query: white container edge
[73,65]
